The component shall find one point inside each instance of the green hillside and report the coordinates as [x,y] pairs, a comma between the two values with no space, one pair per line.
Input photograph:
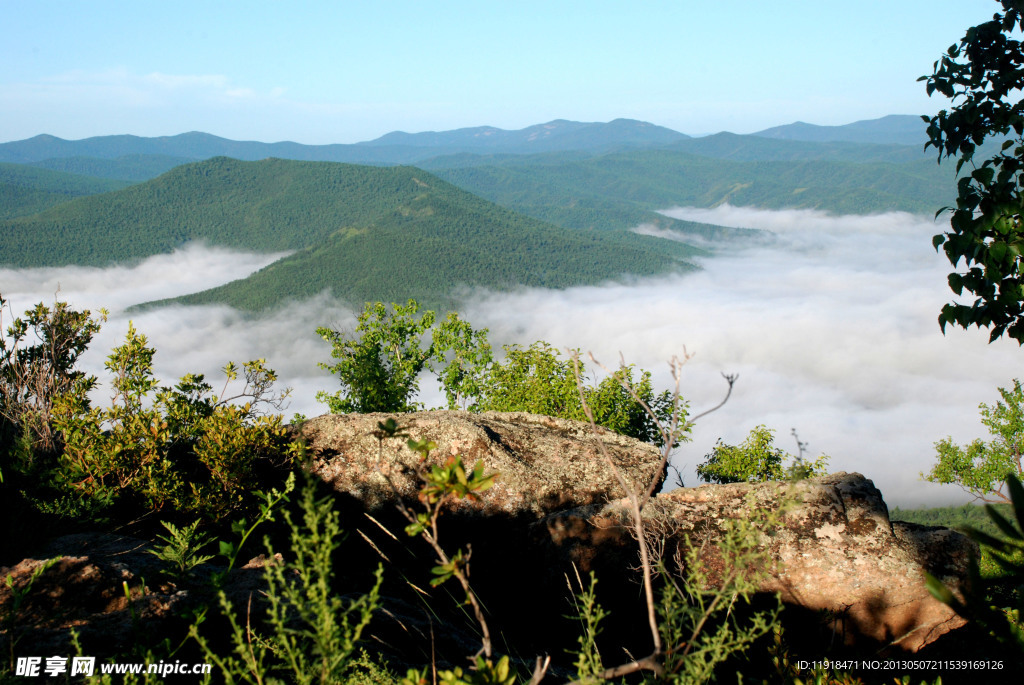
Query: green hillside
[751,148]
[363,232]
[134,168]
[615,187]
[972,515]
[27,190]
[439,254]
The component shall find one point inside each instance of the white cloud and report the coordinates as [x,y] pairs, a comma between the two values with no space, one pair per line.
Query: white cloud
[831,328]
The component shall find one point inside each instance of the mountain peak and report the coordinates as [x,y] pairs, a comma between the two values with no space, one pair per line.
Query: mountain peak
[899,129]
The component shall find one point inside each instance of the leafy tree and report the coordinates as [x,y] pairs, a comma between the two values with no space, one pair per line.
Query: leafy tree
[463,357]
[980,468]
[379,366]
[982,75]
[757,459]
[38,356]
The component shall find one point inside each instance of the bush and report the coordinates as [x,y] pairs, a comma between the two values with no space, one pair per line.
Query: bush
[33,374]
[181,448]
[379,366]
[980,468]
[757,459]
[539,381]
[380,363]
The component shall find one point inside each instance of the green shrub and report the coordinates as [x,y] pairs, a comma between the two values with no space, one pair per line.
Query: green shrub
[980,468]
[379,366]
[539,381]
[757,459]
[181,447]
[310,635]
[380,363]
[38,355]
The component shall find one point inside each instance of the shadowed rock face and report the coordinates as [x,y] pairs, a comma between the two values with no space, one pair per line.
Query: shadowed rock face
[545,464]
[834,552]
[84,589]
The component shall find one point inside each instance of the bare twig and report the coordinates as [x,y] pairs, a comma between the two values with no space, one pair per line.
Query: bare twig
[648,663]
[638,499]
[539,670]
[634,504]
[730,378]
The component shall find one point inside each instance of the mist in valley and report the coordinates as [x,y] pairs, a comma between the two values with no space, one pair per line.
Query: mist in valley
[830,326]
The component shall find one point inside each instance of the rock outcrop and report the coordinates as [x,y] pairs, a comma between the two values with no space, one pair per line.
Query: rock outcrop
[833,551]
[545,464]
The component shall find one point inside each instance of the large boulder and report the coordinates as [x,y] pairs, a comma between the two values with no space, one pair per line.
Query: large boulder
[545,464]
[833,550]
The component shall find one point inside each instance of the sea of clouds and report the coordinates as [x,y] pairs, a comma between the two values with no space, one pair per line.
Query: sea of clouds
[830,326]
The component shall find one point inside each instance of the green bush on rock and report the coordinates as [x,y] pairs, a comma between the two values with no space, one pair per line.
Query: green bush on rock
[379,365]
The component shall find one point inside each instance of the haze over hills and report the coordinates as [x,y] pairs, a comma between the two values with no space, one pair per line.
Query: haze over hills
[362,232]
[134,168]
[751,148]
[554,135]
[607,191]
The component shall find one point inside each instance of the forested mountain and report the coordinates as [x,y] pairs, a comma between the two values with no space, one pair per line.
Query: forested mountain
[133,168]
[26,190]
[380,233]
[394,148]
[623,188]
[554,135]
[752,148]
[899,129]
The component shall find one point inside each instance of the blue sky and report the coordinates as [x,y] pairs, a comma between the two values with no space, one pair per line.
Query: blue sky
[326,72]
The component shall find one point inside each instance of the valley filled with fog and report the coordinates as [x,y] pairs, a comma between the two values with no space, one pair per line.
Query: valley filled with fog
[830,325]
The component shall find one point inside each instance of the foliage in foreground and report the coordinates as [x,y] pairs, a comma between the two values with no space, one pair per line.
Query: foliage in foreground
[379,366]
[307,632]
[311,634]
[1006,622]
[158,448]
[980,468]
[982,75]
[39,352]
[179,447]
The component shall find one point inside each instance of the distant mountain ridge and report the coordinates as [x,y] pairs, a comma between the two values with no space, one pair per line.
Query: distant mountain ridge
[898,129]
[393,148]
[595,175]
[399,147]
[555,135]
